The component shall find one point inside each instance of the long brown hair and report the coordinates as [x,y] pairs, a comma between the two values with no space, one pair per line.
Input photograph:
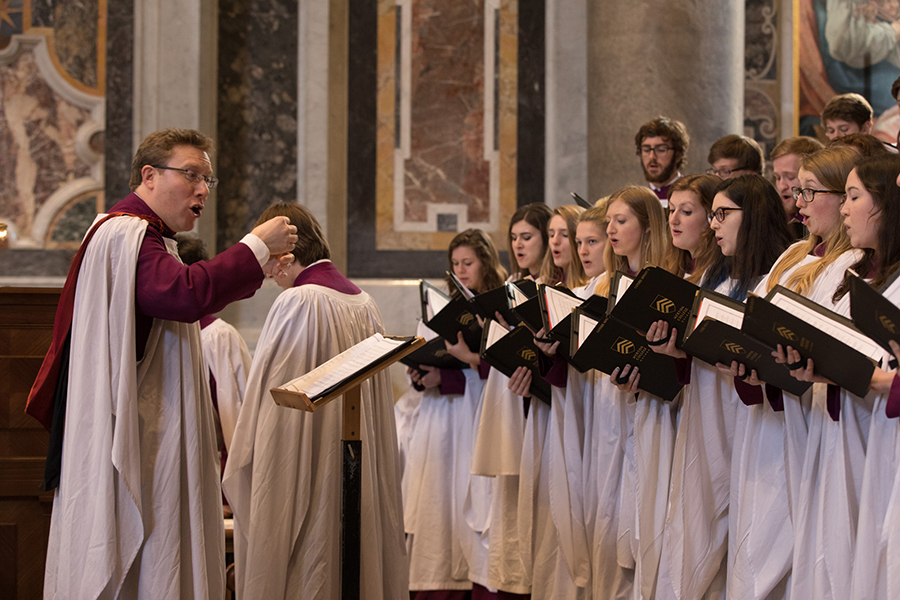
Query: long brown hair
[573,274]
[492,272]
[536,214]
[680,261]
[878,175]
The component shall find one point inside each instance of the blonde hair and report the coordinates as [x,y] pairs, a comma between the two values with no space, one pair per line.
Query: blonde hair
[655,240]
[573,274]
[831,167]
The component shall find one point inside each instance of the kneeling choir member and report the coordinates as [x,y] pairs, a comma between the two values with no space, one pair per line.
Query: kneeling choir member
[283,476]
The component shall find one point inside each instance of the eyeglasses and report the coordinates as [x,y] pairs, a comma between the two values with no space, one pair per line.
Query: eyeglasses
[809,194]
[660,150]
[724,173]
[720,213]
[192,177]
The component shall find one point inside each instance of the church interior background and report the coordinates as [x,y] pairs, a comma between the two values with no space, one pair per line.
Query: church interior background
[397,122]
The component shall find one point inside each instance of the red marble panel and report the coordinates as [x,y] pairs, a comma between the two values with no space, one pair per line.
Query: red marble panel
[446,163]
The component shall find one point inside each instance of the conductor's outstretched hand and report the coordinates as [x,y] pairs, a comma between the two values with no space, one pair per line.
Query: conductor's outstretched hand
[278,234]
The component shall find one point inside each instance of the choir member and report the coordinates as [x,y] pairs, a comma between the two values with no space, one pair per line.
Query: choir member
[500,443]
[283,477]
[540,538]
[695,537]
[771,437]
[442,543]
[138,508]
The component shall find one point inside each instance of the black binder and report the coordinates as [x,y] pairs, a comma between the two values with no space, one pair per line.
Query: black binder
[561,332]
[455,317]
[426,289]
[584,320]
[833,358]
[512,350]
[614,343]
[714,341]
[874,315]
[501,300]
[657,295]
[433,354]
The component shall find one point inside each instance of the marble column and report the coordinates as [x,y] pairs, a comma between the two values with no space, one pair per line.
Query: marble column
[175,76]
[658,57]
[567,101]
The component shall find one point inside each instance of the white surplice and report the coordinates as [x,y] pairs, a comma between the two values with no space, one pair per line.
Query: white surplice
[560,555]
[436,480]
[695,538]
[877,529]
[831,480]
[227,357]
[283,476]
[137,489]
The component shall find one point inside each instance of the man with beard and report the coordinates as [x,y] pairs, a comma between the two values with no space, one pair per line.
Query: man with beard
[662,145]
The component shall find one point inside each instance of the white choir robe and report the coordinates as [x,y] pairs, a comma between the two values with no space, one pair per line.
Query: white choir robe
[227,357]
[831,481]
[695,538]
[436,481]
[608,419]
[550,496]
[877,530]
[150,537]
[283,476]
[499,444]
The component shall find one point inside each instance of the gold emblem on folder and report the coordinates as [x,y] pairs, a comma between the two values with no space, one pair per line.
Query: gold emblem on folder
[528,354]
[785,333]
[664,305]
[623,346]
[887,323]
[733,347]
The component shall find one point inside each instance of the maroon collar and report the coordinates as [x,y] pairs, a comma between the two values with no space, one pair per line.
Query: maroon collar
[326,274]
[135,205]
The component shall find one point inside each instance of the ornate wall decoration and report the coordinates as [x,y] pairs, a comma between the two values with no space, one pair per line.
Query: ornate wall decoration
[762,81]
[52,69]
[447,94]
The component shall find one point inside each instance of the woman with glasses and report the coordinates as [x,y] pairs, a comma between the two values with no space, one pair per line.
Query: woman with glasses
[695,534]
[770,437]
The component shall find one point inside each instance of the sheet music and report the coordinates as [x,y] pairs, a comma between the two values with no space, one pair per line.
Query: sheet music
[854,339]
[342,366]
[709,308]
[624,283]
[517,296]
[586,326]
[559,305]
[495,332]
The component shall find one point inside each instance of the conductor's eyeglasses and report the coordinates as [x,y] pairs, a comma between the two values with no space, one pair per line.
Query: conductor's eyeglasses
[193,177]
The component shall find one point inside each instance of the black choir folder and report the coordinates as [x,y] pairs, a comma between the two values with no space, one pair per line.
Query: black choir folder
[433,354]
[447,317]
[507,350]
[656,295]
[715,336]
[503,299]
[613,343]
[839,350]
[344,372]
[873,314]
